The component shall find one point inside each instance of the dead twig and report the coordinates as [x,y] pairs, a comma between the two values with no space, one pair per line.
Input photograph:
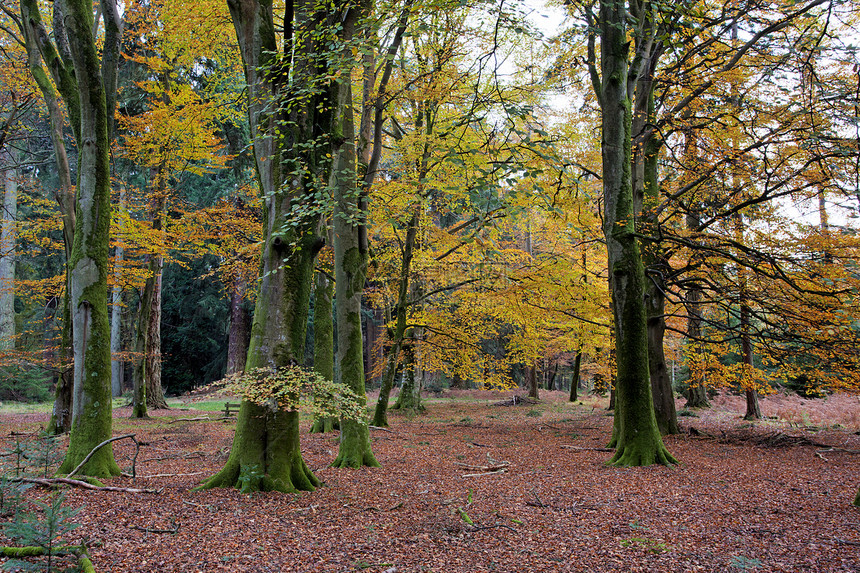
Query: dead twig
[197,419]
[381,429]
[839,450]
[501,471]
[53,482]
[582,449]
[490,468]
[846,542]
[475,528]
[537,503]
[165,475]
[173,531]
[192,455]
[101,445]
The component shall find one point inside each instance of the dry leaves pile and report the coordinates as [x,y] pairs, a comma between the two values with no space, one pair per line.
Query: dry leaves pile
[472,486]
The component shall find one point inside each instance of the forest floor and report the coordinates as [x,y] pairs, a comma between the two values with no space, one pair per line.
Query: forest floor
[745,497]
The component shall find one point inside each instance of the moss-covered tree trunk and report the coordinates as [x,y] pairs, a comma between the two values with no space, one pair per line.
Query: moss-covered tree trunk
[410,394]
[324,343]
[350,254]
[857,499]
[36,44]
[290,163]
[646,192]
[92,415]
[637,437]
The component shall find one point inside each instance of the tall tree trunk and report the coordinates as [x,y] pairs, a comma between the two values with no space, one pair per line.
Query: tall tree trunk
[117,364]
[637,437]
[8,238]
[531,381]
[240,327]
[697,395]
[147,367]
[324,343]
[574,378]
[410,394]
[265,454]
[350,257]
[32,29]
[397,333]
[91,398]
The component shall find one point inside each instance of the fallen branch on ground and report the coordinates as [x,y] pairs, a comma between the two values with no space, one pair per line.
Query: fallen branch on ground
[197,419]
[155,529]
[101,445]
[54,482]
[582,449]
[79,551]
[490,468]
[501,471]
[381,429]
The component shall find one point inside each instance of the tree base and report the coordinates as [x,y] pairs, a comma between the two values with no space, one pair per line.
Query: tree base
[265,455]
[633,455]
[355,450]
[247,479]
[325,425]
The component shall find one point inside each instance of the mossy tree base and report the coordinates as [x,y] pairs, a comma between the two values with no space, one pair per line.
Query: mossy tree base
[325,425]
[101,465]
[355,450]
[857,499]
[265,455]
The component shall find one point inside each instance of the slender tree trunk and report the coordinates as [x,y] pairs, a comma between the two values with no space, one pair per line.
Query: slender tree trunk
[531,381]
[574,378]
[91,398]
[697,395]
[410,394]
[324,343]
[637,437]
[117,365]
[61,418]
[240,328]
[350,260]
[8,239]
[380,416]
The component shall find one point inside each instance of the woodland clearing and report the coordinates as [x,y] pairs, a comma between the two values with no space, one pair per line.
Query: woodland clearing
[475,486]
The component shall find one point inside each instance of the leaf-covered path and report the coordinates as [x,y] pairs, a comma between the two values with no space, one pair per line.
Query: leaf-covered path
[742,499]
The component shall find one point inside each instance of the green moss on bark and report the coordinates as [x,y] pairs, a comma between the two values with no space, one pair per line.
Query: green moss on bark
[265,455]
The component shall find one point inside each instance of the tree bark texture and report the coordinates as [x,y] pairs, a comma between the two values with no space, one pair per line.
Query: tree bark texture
[574,377]
[8,238]
[290,163]
[350,258]
[39,47]
[324,343]
[240,328]
[117,366]
[637,437]
[410,393]
[397,333]
[91,397]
